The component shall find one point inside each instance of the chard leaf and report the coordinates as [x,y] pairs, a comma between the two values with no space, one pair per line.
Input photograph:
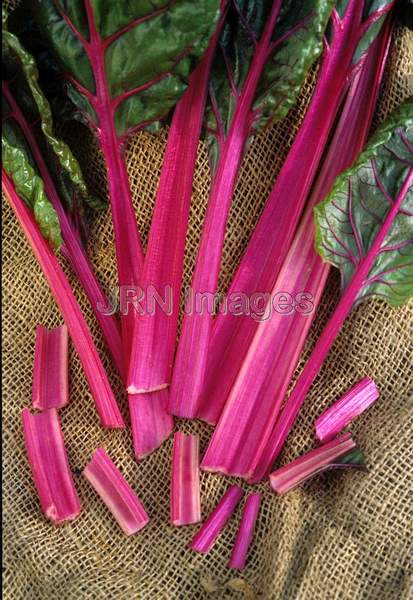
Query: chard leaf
[353,458]
[133,56]
[21,87]
[352,217]
[30,187]
[295,43]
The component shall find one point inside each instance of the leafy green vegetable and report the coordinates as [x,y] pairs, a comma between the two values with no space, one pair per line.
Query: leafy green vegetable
[149,49]
[30,187]
[349,221]
[295,44]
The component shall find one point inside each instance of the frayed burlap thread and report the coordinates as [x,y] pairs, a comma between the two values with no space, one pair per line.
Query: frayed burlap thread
[343,536]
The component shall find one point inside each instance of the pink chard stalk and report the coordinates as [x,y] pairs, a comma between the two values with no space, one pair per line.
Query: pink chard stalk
[255,399]
[58,169]
[245,532]
[150,421]
[354,402]
[269,42]
[105,401]
[341,453]
[352,28]
[50,468]
[123,74]
[51,368]
[154,342]
[116,493]
[117,95]
[365,228]
[185,492]
[215,523]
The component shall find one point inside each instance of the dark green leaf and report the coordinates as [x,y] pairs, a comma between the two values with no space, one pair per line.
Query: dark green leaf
[146,49]
[298,31]
[349,220]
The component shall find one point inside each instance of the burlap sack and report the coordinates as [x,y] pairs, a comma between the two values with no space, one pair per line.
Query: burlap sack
[342,536]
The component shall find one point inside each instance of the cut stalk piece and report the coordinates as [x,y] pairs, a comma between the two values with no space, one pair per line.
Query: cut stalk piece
[185,493]
[103,396]
[48,461]
[154,343]
[273,235]
[341,413]
[253,405]
[116,493]
[249,100]
[245,532]
[151,423]
[215,523]
[50,370]
[341,453]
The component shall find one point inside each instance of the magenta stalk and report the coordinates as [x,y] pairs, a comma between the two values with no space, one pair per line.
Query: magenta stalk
[193,347]
[48,461]
[154,343]
[354,402]
[96,376]
[116,493]
[50,387]
[245,532]
[338,454]
[185,499]
[215,523]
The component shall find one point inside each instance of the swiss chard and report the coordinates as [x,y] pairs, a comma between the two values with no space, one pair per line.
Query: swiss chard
[28,133]
[266,49]
[126,65]
[154,342]
[253,404]
[18,178]
[353,26]
[365,228]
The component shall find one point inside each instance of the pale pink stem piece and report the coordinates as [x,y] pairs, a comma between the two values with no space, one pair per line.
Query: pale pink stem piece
[334,455]
[48,461]
[50,387]
[116,493]
[215,523]
[185,493]
[150,421]
[245,532]
[341,413]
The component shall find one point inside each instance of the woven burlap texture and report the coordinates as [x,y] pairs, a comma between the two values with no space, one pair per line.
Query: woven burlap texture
[341,536]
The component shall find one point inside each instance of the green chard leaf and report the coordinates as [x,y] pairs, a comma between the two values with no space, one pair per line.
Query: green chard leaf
[21,88]
[147,51]
[354,214]
[295,44]
[30,187]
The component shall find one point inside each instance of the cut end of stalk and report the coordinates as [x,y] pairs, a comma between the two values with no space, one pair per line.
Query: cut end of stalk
[133,390]
[354,402]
